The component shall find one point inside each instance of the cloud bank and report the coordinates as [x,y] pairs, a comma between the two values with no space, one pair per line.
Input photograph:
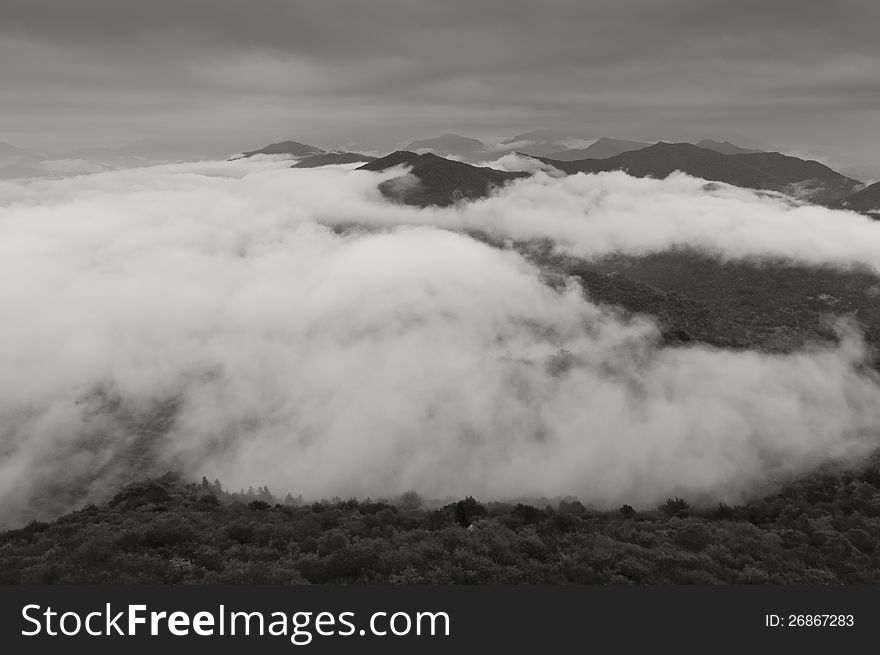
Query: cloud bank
[224,318]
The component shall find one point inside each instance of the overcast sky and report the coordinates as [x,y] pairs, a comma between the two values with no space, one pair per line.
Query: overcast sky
[217,76]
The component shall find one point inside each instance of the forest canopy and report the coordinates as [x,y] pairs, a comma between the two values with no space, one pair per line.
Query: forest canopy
[822,529]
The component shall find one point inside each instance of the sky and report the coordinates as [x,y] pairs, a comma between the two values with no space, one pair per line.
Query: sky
[212,77]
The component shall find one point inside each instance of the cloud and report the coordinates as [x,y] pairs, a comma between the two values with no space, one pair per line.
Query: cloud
[225,318]
[515,162]
[102,72]
[591,215]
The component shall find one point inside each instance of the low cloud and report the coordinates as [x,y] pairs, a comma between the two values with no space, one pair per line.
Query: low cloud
[516,162]
[224,318]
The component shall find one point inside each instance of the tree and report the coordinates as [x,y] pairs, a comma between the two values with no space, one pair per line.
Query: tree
[411,500]
[675,507]
[468,510]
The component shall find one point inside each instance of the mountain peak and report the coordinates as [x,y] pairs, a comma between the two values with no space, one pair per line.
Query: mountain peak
[396,158]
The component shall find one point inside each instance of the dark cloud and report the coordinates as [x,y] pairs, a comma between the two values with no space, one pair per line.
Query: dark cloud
[797,74]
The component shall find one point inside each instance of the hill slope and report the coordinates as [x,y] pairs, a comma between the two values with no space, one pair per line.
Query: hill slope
[801,177]
[775,306]
[866,201]
[822,529]
[770,306]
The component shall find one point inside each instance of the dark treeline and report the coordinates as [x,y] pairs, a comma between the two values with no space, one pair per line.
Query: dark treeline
[823,529]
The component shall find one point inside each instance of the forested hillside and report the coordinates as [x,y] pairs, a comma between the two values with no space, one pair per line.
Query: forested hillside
[822,529]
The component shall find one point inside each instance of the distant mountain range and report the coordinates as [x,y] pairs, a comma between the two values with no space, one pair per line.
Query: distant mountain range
[539,143]
[536,143]
[553,144]
[601,149]
[442,181]
[448,144]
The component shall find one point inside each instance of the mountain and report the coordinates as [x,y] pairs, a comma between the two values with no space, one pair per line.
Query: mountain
[662,159]
[802,178]
[776,306]
[448,144]
[537,143]
[443,182]
[330,158]
[433,180]
[292,148]
[601,149]
[761,170]
[773,306]
[866,201]
[397,158]
[725,147]
[167,530]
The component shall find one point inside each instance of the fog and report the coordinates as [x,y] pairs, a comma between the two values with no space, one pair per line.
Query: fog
[216,318]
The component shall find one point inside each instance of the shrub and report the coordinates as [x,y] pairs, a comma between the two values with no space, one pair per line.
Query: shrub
[675,507]
[694,537]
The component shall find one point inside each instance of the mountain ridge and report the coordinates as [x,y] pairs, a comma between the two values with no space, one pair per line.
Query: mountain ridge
[760,170]
[725,147]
